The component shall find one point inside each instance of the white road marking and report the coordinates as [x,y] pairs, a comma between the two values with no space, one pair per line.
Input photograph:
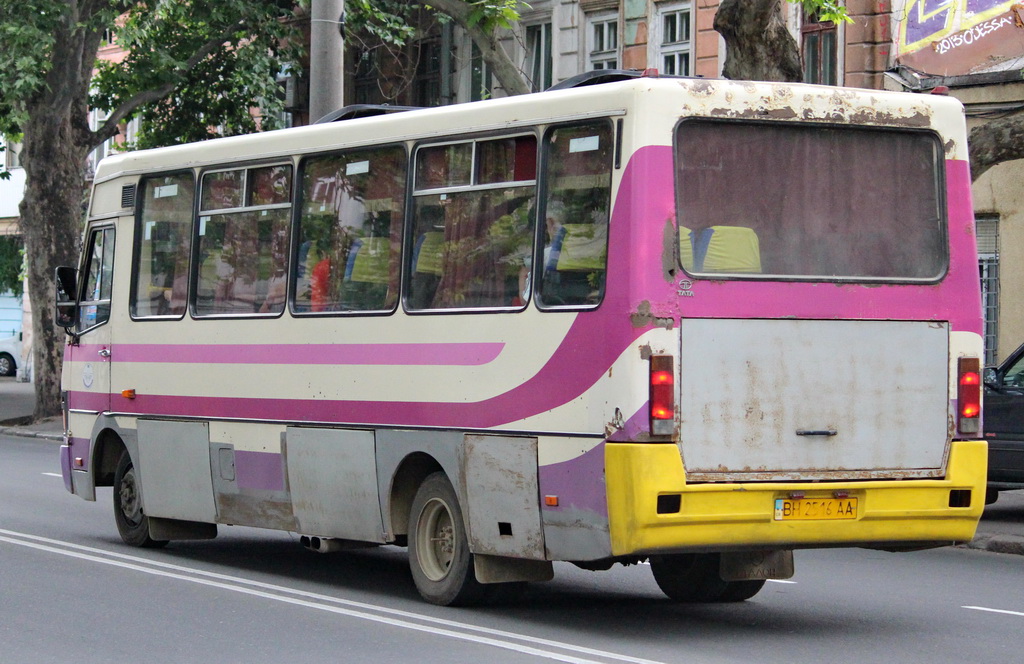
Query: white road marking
[53,475]
[985,608]
[494,637]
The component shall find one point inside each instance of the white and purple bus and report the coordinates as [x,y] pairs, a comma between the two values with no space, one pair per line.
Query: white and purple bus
[697,322]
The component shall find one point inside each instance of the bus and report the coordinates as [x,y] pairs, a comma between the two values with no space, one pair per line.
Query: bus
[695,323]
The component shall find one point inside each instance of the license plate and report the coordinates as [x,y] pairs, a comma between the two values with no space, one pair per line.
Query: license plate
[802,509]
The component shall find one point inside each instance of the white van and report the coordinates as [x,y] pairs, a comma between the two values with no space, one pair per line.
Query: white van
[10,355]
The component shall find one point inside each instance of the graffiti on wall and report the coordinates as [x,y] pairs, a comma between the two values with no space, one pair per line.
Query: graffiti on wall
[953,37]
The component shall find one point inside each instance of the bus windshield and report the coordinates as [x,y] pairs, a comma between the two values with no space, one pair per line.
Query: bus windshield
[813,202]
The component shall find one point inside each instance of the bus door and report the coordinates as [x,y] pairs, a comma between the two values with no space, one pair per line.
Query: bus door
[88,383]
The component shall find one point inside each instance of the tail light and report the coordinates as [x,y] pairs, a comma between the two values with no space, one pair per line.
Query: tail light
[968,395]
[662,396]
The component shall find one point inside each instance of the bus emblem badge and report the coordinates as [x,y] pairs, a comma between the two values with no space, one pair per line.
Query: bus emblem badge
[684,288]
[87,375]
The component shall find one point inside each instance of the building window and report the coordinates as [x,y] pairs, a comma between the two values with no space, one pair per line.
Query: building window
[480,76]
[988,266]
[427,83]
[12,153]
[603,47]
[818,44]
[674,42]
[97,118]
[367,75]
[539,61]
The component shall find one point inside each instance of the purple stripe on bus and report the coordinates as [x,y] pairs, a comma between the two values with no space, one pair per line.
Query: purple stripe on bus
[639,423]
[261,471]
[401,354]
[578,483]
[591,345]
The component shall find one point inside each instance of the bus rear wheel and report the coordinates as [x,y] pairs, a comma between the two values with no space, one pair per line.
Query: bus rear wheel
[132,523]
[693,577]
[439,556]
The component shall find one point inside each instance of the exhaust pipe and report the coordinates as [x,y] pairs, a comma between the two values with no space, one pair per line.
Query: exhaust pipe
[331,544]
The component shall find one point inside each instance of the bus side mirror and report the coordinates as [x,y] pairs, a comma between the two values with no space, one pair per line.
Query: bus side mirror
[66,282]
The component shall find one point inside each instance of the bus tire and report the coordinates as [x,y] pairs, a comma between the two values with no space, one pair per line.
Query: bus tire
[741,591]
[132,522]
[439,556]
[689,577]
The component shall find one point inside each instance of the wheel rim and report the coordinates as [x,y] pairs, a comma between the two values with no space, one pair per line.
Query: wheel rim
[5,366]
[131,506]
[435,539]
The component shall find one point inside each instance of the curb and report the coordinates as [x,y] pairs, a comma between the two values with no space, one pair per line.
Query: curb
[24,433]
[1012,544]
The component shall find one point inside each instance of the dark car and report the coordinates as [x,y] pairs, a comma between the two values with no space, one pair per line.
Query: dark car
[1004,424]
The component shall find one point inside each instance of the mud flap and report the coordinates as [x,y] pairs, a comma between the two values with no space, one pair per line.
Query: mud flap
[499,569]
[756,565]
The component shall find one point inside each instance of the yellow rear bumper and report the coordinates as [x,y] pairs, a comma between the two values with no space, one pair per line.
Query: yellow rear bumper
[729,516]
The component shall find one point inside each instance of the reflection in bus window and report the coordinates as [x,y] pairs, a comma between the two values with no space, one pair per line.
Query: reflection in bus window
[99,278]
[164,243]
[576,215]
[472,244]
[243,252]
[350,231]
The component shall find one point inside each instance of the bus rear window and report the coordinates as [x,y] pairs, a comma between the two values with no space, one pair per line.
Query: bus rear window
[757,200]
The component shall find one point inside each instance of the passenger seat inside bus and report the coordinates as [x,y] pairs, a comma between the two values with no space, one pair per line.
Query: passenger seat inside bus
[722,249]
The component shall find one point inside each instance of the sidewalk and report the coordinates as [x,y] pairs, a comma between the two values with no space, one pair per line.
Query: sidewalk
[17,401]
[1001,528]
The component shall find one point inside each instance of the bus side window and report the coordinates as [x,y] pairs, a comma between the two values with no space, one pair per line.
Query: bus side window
[472,242]
[99,274]
[163,246]
[350,231]
[577,210]
[243,241]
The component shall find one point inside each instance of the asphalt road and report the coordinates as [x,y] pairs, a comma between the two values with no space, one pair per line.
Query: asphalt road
[72,592]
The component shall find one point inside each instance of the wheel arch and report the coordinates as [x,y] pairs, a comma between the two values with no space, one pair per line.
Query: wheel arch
[106,453]
[406,480]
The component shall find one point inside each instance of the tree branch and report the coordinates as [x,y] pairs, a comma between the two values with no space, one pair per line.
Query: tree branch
[995,142]
[127,107]
[509,76]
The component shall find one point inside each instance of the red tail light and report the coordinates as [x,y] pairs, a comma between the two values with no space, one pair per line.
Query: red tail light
[662,395]
[968,395]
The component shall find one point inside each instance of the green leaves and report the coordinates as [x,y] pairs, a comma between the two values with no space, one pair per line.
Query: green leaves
[27,34]
[220,62]
[825,10]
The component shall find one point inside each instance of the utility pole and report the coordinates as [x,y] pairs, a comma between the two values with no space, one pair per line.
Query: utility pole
[326,58]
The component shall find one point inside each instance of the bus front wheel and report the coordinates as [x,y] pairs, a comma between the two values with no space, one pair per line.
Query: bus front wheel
[439,556]
[132,523]
[693,577]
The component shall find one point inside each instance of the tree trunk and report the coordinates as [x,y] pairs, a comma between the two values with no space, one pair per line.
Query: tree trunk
[758,47]
[51,215]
